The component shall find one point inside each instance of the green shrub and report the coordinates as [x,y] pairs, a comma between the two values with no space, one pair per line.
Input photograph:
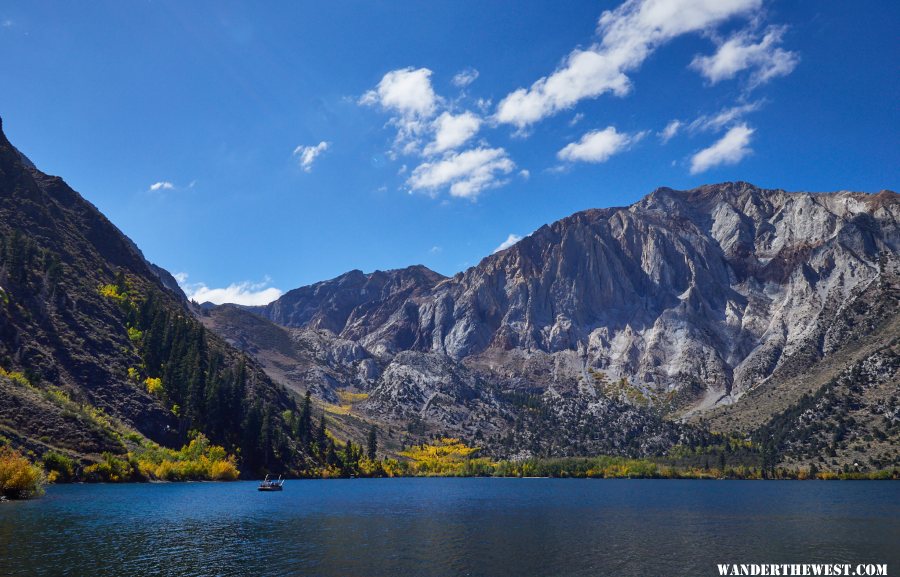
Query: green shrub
[59,467]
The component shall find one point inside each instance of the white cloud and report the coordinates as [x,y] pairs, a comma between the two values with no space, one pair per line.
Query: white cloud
[429,129]
[510,240]
[161,185]
[669,132]
[745,50]
[723,118]
[452,131]
[629,34]
[307,154]
[524,174]
[729,149]
[598,145]
[407,94]
[241,293]
[436,249]
[465,77]
[407,91]
[467,173]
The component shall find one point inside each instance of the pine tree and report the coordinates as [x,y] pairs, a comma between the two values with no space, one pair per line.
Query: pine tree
[321,436]
[348,452]
[373,443]
[306,420]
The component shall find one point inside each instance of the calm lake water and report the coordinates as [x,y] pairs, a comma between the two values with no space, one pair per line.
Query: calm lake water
[408,527]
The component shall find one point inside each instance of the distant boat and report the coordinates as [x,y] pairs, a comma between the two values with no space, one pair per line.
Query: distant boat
[268,485]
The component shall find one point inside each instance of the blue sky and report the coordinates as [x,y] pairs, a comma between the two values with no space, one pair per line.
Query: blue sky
[256,149]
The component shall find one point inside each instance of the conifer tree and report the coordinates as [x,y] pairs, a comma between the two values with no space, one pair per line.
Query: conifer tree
[373,443]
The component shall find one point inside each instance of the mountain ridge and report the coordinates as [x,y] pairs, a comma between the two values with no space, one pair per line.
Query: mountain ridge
[636,283]
[684,302]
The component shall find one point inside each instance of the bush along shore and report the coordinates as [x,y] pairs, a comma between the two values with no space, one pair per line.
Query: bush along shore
[445,457]
[19,479]
[450,457]
[200,460]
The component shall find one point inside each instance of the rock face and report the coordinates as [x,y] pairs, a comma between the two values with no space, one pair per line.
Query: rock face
[353,302]
[700,294]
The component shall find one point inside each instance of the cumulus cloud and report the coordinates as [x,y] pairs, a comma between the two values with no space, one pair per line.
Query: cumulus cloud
[467,173]
[598,145]
[510,240]
[452,131]
[241,293]
[433,132]
[465,77]
[629,34]
[407,94]
[729,149]
[744,51]
[407,91]
[306,155]
[669,132]
[161,185]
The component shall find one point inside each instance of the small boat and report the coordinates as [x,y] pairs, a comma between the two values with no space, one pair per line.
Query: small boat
[268,485]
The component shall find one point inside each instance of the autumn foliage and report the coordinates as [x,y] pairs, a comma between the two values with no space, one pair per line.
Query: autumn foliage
[19,479]
[446,457]
[200,460]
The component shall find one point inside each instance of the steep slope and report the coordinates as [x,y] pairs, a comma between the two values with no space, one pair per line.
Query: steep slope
[85,321]
[302,359]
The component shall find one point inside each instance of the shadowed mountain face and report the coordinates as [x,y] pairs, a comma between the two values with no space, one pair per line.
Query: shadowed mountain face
[85,320]
[702,293]
[353,302]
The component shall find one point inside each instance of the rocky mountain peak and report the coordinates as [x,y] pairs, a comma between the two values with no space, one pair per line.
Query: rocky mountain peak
[708,289]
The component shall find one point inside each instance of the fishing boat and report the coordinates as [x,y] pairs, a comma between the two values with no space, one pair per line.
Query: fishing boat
[268,485]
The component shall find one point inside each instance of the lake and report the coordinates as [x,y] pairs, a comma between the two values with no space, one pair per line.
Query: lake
[408,527]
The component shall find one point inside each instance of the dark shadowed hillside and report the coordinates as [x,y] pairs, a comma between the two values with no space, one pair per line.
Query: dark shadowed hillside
[99,349]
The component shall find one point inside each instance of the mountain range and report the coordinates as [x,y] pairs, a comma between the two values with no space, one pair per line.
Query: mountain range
[725,304]
[769,315]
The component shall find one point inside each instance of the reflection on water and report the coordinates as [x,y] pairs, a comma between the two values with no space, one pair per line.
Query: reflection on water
[448,527]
